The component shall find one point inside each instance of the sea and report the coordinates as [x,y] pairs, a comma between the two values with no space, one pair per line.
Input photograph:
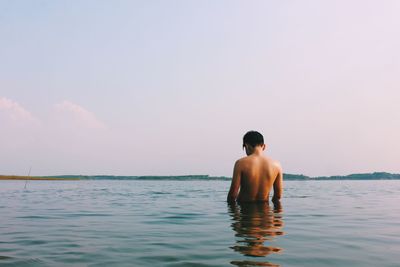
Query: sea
[189,223]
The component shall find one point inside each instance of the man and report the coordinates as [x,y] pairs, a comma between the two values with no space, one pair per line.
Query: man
[255,174]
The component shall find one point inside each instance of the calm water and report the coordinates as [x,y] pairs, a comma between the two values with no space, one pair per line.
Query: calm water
[188,223]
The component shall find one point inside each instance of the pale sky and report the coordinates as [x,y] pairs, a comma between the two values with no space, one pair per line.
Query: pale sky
[170,87]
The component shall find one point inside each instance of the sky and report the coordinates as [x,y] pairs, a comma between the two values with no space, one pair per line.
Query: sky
[170,87]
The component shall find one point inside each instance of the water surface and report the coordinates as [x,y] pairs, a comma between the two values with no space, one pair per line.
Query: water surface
[188,223]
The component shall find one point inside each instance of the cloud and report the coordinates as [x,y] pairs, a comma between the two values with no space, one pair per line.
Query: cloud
[13,111]
[79,114]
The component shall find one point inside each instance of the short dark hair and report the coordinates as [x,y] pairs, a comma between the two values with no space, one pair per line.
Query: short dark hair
[253,138]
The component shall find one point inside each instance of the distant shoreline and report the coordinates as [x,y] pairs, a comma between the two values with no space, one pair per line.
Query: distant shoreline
[36,178]
[286,177]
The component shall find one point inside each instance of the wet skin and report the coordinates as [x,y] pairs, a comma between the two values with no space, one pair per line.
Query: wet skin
[254,176]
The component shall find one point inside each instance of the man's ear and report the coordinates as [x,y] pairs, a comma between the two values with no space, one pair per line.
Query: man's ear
[264,147]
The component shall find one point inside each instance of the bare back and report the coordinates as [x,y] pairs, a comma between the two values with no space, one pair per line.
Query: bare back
[256,175]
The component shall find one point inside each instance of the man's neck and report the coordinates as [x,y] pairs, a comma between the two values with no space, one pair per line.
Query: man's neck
[258,151]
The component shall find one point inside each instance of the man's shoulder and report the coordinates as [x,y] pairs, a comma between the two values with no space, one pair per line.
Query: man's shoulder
[240,161]
[276,164]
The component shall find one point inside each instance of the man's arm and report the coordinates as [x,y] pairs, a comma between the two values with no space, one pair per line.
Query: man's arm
[278,187]
[235,185]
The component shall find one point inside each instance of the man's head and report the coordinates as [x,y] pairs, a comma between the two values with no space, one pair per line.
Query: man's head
[251,140]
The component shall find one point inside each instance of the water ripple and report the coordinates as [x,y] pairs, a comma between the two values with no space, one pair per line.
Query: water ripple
[171,223]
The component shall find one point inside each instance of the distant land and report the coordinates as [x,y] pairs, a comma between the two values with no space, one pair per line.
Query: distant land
[356,176]
[286,177]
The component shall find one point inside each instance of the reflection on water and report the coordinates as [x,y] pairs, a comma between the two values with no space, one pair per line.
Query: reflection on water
[255,226]
[136,223]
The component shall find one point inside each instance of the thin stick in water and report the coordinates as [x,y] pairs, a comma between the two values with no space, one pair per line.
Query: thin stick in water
[29,173]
